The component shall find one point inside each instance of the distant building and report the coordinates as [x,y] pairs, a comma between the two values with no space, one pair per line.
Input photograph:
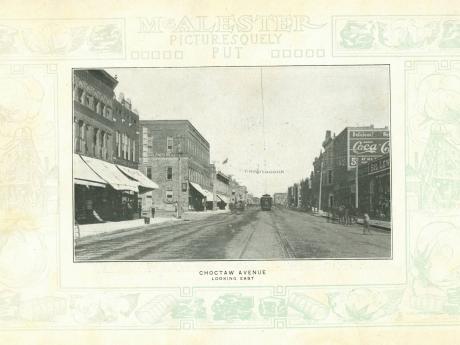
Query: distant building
[105,132]
[222,189]
[176,156]
[290,196]
[280,199]
[252,200]
[293,196]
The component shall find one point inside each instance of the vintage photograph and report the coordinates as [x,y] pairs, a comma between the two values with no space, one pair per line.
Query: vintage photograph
[232,163]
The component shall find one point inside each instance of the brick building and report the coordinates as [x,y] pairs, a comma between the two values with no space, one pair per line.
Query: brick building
[374,181]
[126,131]
[106,179]
[176,156]
[334,170]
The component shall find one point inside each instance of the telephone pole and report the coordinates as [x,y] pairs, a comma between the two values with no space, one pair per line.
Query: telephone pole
[356,186]
[320,184]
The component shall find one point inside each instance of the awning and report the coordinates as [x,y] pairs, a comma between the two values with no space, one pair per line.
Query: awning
[83,175]
[204,192]
[222,198]
[144,181]
[209,195]
[198,188]
[110,173]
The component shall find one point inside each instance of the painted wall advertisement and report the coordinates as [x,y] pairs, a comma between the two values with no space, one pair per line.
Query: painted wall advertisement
[367,145]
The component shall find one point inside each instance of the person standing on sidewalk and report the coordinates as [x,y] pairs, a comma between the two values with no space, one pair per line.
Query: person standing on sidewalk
[347,216]
[366,220]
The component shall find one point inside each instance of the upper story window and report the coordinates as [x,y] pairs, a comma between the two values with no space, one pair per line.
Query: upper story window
[169,144]
[329,176]
[79,94]
[149,172]
[86,100]
[108,112]
[169,173]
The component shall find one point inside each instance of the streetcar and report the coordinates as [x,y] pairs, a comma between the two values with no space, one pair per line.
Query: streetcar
[266,202]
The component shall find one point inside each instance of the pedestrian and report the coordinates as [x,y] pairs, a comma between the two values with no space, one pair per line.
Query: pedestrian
[341,212]
[366,220]
[347,216]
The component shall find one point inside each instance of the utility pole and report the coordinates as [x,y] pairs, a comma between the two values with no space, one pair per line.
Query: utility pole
[214,181]
[320,185]
[356,186]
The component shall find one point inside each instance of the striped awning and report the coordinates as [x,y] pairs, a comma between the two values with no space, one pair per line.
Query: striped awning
[111,174]
[84,175]
[198,188]
[144,182]
[222,198]
[209,195]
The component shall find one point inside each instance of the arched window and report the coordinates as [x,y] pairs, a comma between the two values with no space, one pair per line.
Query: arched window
[79,95]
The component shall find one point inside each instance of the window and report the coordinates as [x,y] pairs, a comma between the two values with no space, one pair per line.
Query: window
[80,95]
[169,195]
[86,100]
[82,132]
[129,149]
[87,134]
[124,145]
[95,141]
[169,173]
[169,144]
[134,150]
[149,172]
[150,142]
[329,176]
[108,112]
[117,142]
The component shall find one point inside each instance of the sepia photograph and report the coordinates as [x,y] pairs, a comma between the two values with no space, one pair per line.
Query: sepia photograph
[232,163]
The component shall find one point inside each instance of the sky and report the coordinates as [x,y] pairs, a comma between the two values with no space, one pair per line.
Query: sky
[266,118]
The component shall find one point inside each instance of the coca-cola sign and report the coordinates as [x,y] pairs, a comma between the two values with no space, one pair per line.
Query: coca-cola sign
[365,145]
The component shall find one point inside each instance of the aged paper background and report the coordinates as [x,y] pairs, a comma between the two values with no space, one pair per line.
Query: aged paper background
[45,298]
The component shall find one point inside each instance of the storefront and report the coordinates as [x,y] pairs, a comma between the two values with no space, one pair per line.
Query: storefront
[145,187]
[200,199]
[89,191]
[105,192]
[375,188]
[222,201]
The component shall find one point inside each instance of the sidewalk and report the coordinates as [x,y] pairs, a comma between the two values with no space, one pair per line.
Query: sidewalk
[192,215]
[101,228]
[381,224]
